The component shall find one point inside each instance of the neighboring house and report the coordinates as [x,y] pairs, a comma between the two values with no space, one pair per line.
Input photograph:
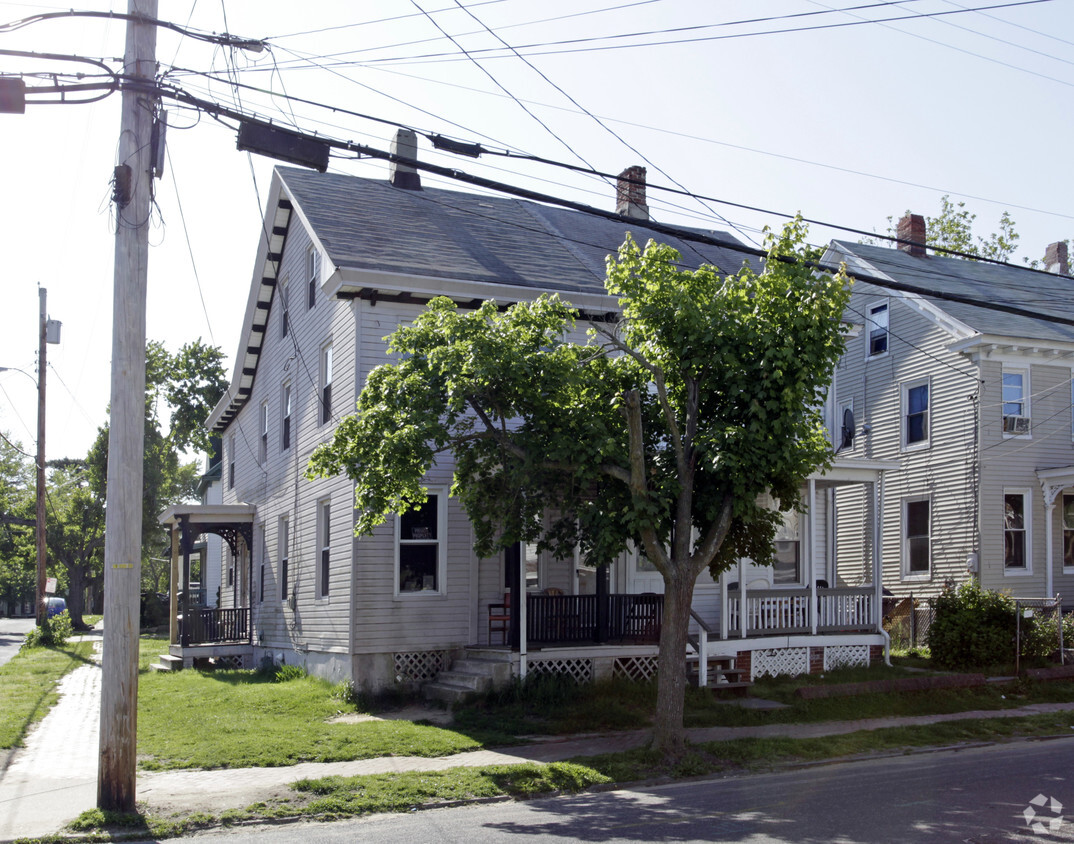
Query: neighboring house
[342,262]
[974,405]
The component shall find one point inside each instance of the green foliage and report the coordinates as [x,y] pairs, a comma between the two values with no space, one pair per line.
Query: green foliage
[286,673]
[1040,635]
[28,686]
[973,627]
[53,633]
[952,229]
[18,560]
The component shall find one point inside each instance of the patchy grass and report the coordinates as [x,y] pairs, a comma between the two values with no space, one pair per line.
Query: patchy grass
[28,686]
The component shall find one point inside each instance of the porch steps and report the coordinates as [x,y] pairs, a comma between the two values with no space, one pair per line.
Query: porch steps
[477,671]
[168,662]
[724,678]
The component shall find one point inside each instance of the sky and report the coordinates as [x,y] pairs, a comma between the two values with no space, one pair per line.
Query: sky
[848,111]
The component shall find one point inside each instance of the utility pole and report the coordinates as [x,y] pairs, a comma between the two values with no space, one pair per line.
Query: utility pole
[42,610]
[123,518]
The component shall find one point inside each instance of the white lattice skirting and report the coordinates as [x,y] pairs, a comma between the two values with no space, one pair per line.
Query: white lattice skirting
[771,662]
[845,656]
[419,666]
[637,668]
[580,670]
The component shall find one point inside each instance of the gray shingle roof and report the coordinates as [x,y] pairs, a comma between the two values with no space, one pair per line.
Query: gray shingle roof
[367,224]
[1024,288]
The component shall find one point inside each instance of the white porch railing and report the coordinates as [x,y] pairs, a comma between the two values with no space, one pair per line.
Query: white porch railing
[775,611]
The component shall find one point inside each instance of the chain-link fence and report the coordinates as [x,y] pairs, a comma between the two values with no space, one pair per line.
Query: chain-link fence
[1039,630]
[907,621]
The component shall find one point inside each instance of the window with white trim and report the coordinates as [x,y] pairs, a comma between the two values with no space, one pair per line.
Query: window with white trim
[282,544]
[326,384]
[917,537]
[421,547]
[915,414]
[312,271]
[1068,531]
[1016,532]
[324,546]
[878,330]
[231,462]
[787,545]
[1016,402]
[285,309]
[262,447]
[285,421]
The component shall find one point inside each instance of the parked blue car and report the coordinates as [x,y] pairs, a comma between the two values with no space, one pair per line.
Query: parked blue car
[55,606]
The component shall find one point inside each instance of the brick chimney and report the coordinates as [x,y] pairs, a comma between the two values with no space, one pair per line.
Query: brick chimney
[911,234]
[630,194]
[1055,258]
[404,144]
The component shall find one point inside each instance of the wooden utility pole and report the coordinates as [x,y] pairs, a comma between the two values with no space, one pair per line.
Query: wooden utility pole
[42,609]
[123,518]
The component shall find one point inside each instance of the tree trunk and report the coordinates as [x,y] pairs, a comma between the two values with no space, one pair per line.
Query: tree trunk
[669,735]
[76,595]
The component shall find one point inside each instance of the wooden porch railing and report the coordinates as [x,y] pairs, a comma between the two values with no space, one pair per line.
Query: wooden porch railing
[210,626]
[577,618]
[777,611]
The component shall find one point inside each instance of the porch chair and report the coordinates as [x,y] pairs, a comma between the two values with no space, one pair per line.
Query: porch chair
[500,618]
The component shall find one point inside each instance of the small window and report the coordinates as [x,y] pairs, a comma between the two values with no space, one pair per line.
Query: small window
[285,423]
[916,414]
[787,571]
[1014,532]
[313,266]
[1015,402]
[231,463]
[324,535]
[285,315]
[261,586]
[420,547]
[262,449]
[917,545]
[878,329]
[1068,531]
[283,542]
[326,384]
[230,568]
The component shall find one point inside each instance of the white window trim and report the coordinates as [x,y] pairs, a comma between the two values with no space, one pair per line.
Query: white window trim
[323,542]
[283,556]
[907,575]
[287,396]
[285,309]
[886,304]
[1026,410]
[837,426]
[313,272]
[1027,512]
[262,446]
[906,387]
[441,556]
[1062,529]
[327,379]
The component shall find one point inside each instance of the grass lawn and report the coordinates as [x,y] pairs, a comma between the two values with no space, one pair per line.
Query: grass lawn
[28,686]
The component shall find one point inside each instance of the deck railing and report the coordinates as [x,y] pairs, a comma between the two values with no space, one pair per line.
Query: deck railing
[776,611]
[578,618]
[213,625]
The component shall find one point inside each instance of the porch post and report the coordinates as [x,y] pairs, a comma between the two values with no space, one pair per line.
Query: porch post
[523,596]
[186,541]
[511,573]
[878,534]
[173,589]
[812,530]
[742,597]
[724,623]
[1049,507]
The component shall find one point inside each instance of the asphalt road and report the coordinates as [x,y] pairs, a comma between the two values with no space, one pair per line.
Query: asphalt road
[972,795]
[12,632]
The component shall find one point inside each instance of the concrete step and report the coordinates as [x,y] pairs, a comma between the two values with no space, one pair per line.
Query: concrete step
[168,662]
[740,688]
[465,679]
[446,692]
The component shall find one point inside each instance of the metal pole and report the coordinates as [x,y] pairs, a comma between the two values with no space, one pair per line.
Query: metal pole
[123,519]
[42,613]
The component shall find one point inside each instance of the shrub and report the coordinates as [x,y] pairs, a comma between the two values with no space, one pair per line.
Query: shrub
[973,627]
[1040,635]
[56,631]
[286,673]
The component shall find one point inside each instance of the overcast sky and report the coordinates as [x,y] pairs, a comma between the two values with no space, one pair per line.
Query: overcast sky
[783,105]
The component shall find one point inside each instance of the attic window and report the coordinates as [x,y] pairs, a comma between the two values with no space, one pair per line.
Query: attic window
[312,268]
[878,329]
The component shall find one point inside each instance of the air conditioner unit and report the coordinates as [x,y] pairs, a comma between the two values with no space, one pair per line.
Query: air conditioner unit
[1016,424]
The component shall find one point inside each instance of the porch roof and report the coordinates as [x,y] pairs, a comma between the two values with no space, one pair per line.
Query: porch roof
[852,470]
[199,514]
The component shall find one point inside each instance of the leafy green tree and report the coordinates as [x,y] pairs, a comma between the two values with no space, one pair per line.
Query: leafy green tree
[18,556]
[74,533]
[952,229]
[663,429]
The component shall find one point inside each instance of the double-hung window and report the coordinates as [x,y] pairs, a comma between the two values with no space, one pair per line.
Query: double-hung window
[326,384]
[1015,532]
[231,462]
[1015,402]
[917,538]
[915,400]
[324,546]
[1068,531]
[312,268]
[878,329]
[282,545]
[285,315]
[262,448]
[285,422]
[421,546]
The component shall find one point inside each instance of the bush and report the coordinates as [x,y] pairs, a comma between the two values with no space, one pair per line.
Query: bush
[973,627]
[1040,635]
[286,673]
[56,631]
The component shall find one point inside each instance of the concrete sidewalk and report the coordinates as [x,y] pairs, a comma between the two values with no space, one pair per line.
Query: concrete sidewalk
[53,779]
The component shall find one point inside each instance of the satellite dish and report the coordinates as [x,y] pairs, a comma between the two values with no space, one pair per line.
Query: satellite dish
[847,440]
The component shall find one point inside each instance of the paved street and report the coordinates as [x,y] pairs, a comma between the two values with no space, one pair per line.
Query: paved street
[12,632]
[973,795]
